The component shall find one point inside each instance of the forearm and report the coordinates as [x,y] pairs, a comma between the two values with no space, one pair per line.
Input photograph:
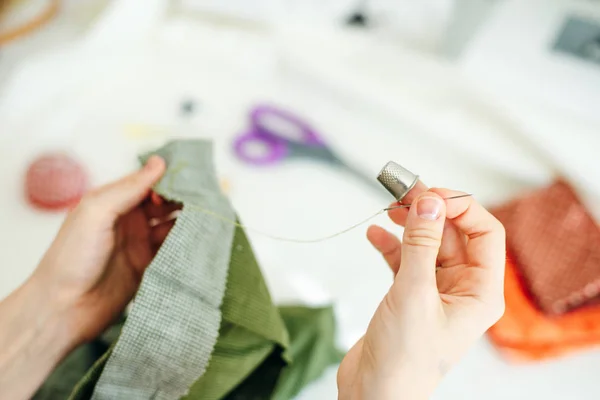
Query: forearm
[34,337]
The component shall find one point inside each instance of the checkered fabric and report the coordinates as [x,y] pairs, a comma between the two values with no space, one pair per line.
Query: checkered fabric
[556,247]
[172,328]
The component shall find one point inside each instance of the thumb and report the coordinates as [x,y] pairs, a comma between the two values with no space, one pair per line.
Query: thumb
[122,196]
[422,239]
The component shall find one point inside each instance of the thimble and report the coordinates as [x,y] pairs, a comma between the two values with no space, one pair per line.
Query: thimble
[397,180]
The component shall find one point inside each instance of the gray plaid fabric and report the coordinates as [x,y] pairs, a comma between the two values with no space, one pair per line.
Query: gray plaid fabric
[173,325]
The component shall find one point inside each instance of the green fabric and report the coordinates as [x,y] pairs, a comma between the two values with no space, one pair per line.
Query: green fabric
[85,387]
[63,379]
[248,361]
[312,347]
[261,351]
[251,329]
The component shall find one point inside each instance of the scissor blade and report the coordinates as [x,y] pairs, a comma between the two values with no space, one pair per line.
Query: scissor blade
[368,181]
[359,175]
[325,154]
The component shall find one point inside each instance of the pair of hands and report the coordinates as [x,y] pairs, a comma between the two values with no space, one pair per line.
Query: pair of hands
[425,322]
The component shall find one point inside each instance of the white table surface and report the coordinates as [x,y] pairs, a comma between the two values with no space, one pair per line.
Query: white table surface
[83,101]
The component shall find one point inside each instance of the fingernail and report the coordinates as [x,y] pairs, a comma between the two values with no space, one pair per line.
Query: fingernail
[429,208]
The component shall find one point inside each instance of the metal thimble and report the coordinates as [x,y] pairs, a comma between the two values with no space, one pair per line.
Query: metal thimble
[397,180]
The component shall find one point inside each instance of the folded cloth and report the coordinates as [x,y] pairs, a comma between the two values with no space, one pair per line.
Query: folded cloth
[252,328]
[312,348]
[524,333]
[260,351]
[556,246]
[173,326]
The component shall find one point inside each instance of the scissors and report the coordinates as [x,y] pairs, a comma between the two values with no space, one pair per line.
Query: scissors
[281,135]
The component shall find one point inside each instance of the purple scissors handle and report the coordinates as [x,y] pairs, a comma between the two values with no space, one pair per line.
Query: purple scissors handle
[268,124]
[269,151]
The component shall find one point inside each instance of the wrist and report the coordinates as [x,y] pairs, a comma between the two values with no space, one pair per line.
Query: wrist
[34,338]
[406,385]
[46,309]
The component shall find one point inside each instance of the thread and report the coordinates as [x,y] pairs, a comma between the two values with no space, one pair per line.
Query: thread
[155,221]
[176,169]
[283,238]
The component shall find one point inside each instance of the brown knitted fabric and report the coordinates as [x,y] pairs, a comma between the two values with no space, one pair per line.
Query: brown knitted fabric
[556,246]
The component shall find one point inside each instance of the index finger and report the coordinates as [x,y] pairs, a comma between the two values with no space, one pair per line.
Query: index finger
[486,247]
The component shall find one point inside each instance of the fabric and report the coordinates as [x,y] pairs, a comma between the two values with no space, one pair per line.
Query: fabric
[169,335]
[556,246]
[312,348]
[526,334]
[251,330]
[65,377]
[264,352]
[253,358]
[261,352]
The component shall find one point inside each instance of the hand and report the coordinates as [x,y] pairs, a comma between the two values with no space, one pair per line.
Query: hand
[85,280]
[96,263]
[430,316]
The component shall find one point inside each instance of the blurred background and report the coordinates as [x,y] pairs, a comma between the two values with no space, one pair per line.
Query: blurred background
[499,98]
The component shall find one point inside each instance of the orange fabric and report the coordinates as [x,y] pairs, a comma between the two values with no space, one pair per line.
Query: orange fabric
[524,333]
[555,243]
